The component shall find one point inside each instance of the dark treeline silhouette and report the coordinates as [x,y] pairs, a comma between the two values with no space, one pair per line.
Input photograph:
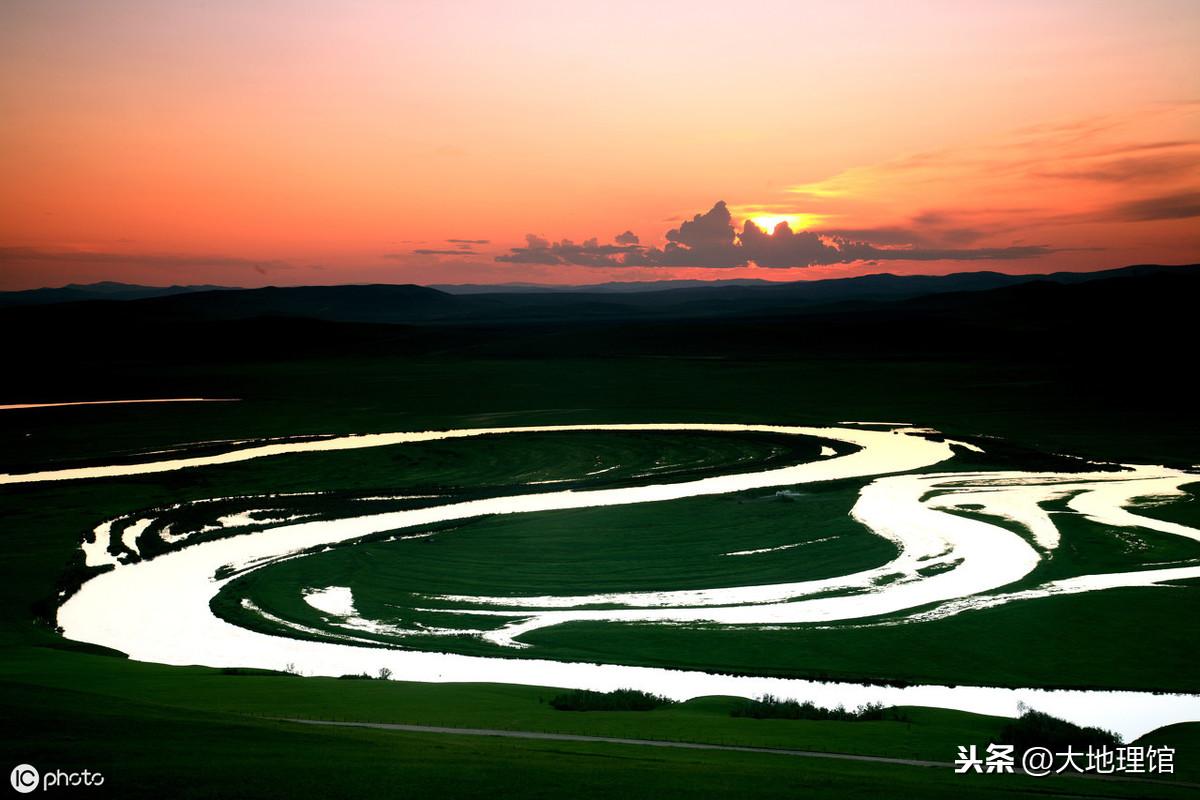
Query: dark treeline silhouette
[618,700]
[770,707]
[1038,729]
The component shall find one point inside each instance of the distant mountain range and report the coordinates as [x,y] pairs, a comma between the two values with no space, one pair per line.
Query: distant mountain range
[407,303]
[105,290]
[1135,315]
[613,286]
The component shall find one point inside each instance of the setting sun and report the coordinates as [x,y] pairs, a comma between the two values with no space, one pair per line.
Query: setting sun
[797,222]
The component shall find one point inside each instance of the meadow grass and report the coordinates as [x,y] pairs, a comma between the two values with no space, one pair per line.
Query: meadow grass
[192,732]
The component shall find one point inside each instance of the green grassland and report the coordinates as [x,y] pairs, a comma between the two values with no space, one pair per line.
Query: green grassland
[659,546]
[148,750]
[191,732]
[1051,407]
[1054,642]
[1047,642]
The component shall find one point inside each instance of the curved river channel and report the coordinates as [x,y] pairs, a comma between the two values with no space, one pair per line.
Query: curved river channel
[158,609]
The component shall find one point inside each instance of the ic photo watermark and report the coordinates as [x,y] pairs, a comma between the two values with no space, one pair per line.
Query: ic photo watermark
[25,778]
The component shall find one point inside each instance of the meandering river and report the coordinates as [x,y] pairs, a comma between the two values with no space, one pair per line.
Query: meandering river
[158,609]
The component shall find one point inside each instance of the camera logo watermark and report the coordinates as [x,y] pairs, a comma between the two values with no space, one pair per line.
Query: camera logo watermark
[25,778]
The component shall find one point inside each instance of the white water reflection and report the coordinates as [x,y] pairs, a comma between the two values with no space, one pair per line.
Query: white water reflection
[17,406]
[141,608]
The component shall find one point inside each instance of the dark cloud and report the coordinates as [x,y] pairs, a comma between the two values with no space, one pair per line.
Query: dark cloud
[710,240]
[958,254]
[1181,205]
[426,251]
[589,253]
[1126,170]
[883,236]
[959,227]
[714,228]
[468,241]
[705,240]
[1140,147]
[784,247]
[931,218]
[961,235]
[628,237]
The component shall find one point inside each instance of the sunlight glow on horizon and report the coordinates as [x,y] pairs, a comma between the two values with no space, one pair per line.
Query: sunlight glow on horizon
[797,222]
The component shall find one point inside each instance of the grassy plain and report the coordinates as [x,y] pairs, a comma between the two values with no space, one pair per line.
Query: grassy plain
[159,731]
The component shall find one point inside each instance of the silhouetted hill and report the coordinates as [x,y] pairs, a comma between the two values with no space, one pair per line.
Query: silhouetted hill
[356,303]
[878,285]
[409,304]
[1134,316]
[104,290]
[609,287]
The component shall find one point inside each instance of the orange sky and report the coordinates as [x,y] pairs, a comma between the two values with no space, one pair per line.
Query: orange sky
[301,142]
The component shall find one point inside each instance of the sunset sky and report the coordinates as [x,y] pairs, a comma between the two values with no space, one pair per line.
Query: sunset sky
[300,142]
